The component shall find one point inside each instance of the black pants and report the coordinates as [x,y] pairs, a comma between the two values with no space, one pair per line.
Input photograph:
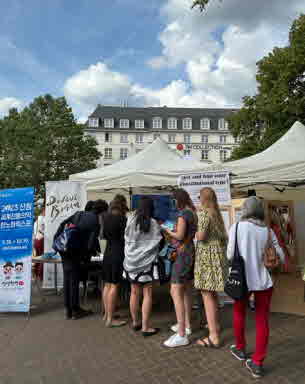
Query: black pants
[71,285]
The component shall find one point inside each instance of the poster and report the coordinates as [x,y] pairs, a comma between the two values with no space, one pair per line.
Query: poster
[219,181]
[63,199]
[16,232]
[163,204]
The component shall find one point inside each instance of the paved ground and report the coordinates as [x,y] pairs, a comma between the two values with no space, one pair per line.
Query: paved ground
[49,350]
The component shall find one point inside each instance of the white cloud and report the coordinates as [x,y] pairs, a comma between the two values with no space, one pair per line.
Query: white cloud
[7,103]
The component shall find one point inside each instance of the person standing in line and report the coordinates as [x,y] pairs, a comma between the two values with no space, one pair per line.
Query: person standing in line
[39,228]
[142,242]
[211,267]
[183,268]
[253,236]
[120,200]
[114,231]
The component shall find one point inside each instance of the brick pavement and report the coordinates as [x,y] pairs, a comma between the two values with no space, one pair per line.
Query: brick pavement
[49,350]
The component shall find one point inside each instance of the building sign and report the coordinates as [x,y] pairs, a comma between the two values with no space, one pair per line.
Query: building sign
[207,146]
[16,236]
[219,181]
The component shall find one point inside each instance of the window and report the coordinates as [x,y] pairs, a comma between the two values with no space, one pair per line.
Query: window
[187,152]
[187,138]
[124,138]
[123,153]
[108,153]
[223,139]
[139,138]
[187,123]
[223,155]
[172,138]
[93,122]
[108,123]
[223,125]
[139,124]
[108,138]
[204,139]
[157,123]
[172,123]
[156,135]
[205,123]
[124,123]
[204,155]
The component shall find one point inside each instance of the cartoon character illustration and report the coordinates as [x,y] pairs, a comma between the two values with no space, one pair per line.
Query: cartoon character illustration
[19,269]
[8,270]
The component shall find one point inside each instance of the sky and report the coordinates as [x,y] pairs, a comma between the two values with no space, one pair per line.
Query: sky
[146,53]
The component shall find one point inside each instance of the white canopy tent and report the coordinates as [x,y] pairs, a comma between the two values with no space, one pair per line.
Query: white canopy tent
[156,166]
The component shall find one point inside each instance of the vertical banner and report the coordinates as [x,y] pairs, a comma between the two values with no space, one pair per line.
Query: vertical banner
[16,232]
[63,199]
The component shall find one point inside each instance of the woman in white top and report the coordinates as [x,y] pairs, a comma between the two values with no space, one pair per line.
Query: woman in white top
[252,238]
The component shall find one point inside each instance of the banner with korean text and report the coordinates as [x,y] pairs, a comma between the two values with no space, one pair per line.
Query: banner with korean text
[63,199]
[16,232]
[219,181]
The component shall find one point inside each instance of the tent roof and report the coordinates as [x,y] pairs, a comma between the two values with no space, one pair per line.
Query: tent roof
[156,165]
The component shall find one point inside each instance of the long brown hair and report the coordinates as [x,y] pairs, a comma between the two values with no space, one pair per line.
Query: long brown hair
[211,206]
[183,199]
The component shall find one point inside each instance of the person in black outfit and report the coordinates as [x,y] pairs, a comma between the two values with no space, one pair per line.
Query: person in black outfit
[114,230]
[88,223]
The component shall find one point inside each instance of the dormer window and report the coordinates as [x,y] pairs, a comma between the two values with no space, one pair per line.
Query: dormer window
[139,124]
[157,123]
[205,123]
[172,123]
[109,123]
[93,122]
[124,123]
[223,125]
[187,123]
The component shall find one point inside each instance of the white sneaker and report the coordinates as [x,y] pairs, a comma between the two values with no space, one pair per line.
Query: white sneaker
[188,331]
[176,341]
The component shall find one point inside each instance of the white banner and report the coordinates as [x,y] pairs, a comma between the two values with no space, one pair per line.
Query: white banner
[219,181]
[63,199]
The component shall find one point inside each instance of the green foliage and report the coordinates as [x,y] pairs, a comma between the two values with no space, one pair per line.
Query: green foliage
[201,4]
[280,100]
[43,143]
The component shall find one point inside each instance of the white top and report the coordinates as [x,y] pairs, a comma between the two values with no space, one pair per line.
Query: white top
[252,240]
[39,227]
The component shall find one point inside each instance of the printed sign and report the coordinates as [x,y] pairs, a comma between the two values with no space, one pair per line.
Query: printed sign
[63,199]
[219,181]
[16,232]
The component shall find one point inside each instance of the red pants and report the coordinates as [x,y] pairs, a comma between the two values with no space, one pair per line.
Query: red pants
[262,310]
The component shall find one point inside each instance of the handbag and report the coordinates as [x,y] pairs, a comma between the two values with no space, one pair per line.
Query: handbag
[236,285]
[270,257]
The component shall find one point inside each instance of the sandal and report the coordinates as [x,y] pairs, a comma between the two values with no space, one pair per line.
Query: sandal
[207,343]
[116,324]
[151,333]
[137,327]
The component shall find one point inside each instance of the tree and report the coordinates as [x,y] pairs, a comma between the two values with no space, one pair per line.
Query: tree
[43,143]
[280,99]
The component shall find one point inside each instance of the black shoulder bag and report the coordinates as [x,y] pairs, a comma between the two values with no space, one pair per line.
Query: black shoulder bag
[236,285]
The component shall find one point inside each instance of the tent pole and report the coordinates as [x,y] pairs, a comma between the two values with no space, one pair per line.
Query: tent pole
[130,197]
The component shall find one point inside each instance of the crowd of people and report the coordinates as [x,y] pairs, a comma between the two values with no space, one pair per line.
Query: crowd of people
[201,262]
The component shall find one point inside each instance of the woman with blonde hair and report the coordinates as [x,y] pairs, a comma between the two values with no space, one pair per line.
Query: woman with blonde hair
[210,262]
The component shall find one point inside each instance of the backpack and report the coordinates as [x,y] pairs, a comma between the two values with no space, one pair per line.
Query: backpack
[270,257]
[69,239]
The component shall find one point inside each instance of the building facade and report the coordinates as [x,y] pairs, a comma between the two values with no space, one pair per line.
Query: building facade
[198,133]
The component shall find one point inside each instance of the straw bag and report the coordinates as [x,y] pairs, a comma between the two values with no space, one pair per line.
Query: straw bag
[270,257]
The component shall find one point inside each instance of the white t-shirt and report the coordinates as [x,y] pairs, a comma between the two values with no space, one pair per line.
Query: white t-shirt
[39,227]
[252,241]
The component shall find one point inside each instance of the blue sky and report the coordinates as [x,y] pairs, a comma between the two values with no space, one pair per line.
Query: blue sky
[155,52]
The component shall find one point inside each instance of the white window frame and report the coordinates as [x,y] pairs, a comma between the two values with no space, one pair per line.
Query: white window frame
[171,138]
[223,125]
[204,154]
[109,137]
[139,138]
[223,154]
[205,124]
[205,139]
[124,138]
[187,123]
[139,124]
[108,123]
[157,123]
[108,153]
[172,123]
[223,139]
[124,123]
[187,138]
[93,122]
[123,153]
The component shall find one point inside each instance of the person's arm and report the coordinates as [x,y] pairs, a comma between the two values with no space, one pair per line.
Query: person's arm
[277,247]
[203,225]
[231,243]
[180,232]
